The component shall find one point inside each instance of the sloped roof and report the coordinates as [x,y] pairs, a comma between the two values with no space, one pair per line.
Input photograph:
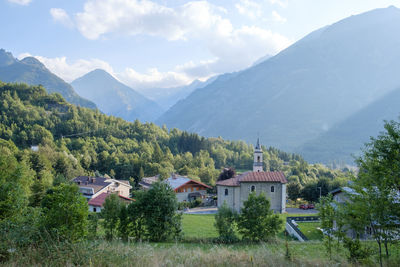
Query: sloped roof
[100,199]
[257,177]
[97,183]
[178,181]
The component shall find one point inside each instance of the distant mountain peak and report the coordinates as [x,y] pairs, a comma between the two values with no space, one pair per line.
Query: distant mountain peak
[6,58]
[33,72]
[34,62]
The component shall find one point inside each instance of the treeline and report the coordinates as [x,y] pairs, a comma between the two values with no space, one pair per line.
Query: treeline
[76,141]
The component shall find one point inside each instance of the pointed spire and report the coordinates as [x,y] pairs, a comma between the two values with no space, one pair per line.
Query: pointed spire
[258,143]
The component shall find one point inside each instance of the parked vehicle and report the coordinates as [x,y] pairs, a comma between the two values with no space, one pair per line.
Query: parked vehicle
[303,207]
[311,206]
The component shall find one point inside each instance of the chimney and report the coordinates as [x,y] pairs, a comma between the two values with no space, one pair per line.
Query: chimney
[93,180]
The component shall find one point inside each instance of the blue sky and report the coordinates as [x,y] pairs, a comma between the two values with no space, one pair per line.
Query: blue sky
[162,43]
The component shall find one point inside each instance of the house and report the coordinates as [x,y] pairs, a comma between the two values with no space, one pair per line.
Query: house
[342,196]
[185,188]
[96,203]
[236,190]
[91,187]
[146,182]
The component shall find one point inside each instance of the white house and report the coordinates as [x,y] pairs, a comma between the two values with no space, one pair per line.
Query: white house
[91,187]
[235,191]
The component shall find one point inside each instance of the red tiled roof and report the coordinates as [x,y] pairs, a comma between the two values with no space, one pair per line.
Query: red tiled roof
[254,177]
[100,199]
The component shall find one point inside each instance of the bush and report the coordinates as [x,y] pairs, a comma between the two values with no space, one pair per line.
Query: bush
[356,251]
[195,203]
[65,212]
[256,221]
[110,213]
[154,213]
[225,224]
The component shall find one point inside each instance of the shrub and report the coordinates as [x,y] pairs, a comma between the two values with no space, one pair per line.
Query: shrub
[154,213]
[256,221]
[195,203]
[65,212]
[225,224]
[356,251]
[110,213]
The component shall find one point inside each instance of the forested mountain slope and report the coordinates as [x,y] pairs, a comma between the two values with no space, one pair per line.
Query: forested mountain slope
[115,98]
[303,91]
[77,141]
[346,139]
[31,71]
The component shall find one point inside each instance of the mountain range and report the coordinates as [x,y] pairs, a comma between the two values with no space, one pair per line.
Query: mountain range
[31,71]
[115,98]
[312,88]
[167,97]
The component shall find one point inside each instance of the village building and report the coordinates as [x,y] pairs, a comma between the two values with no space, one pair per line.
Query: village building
[96,203]
[185,188]
[91,187]
[236,190]
[341,196]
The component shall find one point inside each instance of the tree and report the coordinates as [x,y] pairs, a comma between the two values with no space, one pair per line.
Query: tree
[256,221]
[377,186]
[226,173]
[159,212]
[225,223]
[15,182]
[65,212]
[327,216]
[110,213]
[294,190]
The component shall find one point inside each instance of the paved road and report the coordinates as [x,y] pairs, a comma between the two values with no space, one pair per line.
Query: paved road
[202,210]
[300,211]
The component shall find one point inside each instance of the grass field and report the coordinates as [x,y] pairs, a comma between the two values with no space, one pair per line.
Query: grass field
[118,253]
[201,226]
[309,229]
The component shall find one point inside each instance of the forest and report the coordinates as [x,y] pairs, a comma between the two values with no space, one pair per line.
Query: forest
[72,141]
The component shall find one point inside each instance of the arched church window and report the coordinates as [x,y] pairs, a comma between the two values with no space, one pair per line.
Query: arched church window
[272,189]
[258,158]
[253,188]
[226,191]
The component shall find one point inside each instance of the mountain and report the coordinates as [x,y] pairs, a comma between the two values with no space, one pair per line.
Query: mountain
[31,71]
[167,97]
[114,98]
[303,91]
[349,136]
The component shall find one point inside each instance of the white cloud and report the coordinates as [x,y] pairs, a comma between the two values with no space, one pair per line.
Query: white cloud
[101,17]
[249,8]
[278,18]
[21,2]
[70,71]
[281,3]
[153,78]
[230,48]
[59,15]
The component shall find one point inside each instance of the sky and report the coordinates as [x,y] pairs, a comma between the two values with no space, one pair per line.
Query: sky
[157,44]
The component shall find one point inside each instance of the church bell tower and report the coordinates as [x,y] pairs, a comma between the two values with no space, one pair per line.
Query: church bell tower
[258,158]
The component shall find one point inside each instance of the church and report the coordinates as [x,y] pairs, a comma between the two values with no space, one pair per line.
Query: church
[236,190]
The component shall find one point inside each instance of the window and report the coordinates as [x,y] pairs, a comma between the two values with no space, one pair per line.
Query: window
[226,191]
[191,189]
[272,189]
[253,188]
[258,158]
[94,210]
